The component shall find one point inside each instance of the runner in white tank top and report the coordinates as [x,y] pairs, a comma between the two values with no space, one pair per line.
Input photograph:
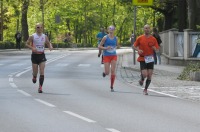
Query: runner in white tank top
[36,43]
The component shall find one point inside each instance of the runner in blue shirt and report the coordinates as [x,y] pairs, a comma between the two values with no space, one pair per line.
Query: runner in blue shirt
[99,37]
[110,56]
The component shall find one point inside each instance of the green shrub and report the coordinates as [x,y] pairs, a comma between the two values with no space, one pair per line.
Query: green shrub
[7,45]
[191,67]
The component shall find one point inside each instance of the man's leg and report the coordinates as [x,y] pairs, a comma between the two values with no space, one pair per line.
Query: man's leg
[143,73]
[35,72]
[19,45]
[159,57]
[99,54]
[155,57]
[41,79]
[150,67]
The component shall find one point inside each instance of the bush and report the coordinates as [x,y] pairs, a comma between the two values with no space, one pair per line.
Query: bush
[7,45]
[191,67]
[126,44]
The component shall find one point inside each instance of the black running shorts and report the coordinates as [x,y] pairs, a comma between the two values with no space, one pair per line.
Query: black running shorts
[38,58]
[144,65]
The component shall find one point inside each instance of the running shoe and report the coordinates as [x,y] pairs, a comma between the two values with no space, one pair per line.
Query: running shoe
[99,55]
[141,82]
[40,89]
[112,90]
[103,74]
[145,92]
[34,80]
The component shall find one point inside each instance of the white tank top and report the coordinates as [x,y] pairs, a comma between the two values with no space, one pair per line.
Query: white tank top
[39,43]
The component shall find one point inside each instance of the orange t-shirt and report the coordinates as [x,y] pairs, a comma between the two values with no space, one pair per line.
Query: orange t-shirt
[146,44]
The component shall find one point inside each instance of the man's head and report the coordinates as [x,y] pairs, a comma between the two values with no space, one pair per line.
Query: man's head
[155,30]
[147,29]
[38,28]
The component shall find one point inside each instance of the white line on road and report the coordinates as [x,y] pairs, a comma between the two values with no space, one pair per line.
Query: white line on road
[24,93]
[112,130]
[13,85]
[29,68]
[45,103]
[60,64]
[20,64]
[163,93]
[19,74]
[10,79]
[84,65]
[79,116]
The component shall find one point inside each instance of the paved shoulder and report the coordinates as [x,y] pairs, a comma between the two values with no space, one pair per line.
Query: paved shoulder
[164,80]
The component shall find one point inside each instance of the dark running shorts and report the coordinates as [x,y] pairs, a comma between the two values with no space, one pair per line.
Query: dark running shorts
[144,65]
[38,58]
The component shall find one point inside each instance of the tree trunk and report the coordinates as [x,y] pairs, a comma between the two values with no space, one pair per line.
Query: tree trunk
[182,19]
[1,22]
[191,14]
[197,20]
[24,22]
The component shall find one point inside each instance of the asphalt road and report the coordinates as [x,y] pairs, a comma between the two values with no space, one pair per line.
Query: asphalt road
[77,98]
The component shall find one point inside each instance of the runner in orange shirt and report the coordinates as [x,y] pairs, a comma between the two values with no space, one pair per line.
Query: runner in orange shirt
[145,45]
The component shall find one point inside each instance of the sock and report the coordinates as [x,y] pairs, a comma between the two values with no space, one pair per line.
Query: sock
[147,83]
[41,80]
[112,80]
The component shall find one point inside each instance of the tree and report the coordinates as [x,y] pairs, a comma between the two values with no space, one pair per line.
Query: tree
[24,22]
[193,13]
[182,11]
[1,21]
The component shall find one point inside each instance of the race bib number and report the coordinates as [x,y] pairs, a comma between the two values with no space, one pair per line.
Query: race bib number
[112,50]
[40,48]
[149,59]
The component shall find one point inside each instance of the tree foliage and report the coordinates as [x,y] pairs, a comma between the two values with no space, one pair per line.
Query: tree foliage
[83,18]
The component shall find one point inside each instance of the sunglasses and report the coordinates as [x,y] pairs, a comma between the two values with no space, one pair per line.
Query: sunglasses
[39,27]
[111,28]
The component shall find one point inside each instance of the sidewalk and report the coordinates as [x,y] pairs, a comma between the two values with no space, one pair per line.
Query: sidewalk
[164,79]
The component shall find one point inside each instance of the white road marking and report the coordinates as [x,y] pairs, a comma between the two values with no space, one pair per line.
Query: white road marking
[45,103]
[24,93]
[79,116]
[163,93]
[54,59]
[13,74]
[13,85]
[84,65]
[112,130]
[30,68]
[19,74]
[60,64]
[10,79]
[20,64]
